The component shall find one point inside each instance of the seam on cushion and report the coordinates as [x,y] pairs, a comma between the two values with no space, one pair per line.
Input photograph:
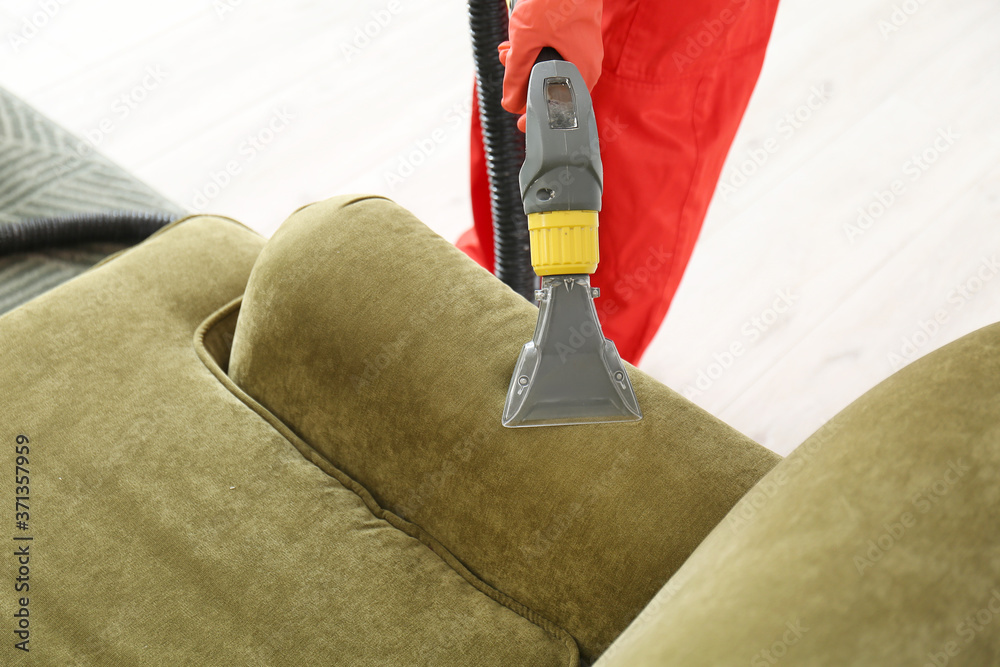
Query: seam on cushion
[350,199]
[397,522]
[194,216]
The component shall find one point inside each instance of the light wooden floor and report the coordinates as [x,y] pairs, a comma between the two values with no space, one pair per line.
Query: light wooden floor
[252,108]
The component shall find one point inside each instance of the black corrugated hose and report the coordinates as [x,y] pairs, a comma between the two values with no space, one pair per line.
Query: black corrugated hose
[127,227]
[504,145]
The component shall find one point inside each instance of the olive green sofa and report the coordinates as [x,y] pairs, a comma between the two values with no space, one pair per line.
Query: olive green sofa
[239,452]
[226,450]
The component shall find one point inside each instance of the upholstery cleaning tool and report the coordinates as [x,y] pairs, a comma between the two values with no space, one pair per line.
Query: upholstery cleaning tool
[568,373]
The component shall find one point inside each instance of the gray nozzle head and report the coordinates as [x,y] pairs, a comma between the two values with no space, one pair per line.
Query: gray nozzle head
[569,373]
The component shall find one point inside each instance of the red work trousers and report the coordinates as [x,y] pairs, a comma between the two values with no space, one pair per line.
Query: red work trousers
[676,79]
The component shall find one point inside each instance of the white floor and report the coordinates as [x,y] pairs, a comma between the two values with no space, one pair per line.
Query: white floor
[252,108]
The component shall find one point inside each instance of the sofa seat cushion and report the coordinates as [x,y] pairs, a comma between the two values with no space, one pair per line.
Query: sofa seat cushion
[390,352]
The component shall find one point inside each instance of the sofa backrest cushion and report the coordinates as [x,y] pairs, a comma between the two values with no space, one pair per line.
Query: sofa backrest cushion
[390,352]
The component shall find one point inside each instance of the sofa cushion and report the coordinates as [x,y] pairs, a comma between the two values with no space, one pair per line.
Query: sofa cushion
[390,352]
[876,542]
[174,521]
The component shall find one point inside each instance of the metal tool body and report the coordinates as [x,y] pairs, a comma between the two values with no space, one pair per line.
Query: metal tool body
[569,373]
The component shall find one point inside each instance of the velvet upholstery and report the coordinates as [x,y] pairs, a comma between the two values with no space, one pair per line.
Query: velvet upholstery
[176,522]
[876,542]
[390,352]
[291,453]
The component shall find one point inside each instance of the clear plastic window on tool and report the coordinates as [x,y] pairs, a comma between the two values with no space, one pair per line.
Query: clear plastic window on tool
[561,103]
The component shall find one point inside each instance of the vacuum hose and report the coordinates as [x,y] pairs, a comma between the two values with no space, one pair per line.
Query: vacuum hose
[504,145]
[128,227]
